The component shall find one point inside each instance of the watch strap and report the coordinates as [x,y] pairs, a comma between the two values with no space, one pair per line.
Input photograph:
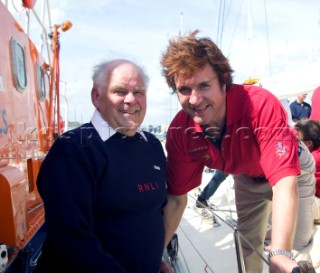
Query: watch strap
[280,252]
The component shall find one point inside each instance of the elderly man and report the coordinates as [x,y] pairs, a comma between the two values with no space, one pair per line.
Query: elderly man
[103,184]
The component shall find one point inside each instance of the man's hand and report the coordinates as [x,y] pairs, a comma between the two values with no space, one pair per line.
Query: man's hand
[306,267]
[165,268]
[281,264]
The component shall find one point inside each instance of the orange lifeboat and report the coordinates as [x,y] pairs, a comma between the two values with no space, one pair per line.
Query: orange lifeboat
[29,4]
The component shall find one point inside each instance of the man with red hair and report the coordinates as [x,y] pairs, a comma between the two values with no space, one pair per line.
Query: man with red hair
[241,130]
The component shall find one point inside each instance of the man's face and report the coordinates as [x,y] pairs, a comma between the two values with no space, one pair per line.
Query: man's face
[122,101]
[202,96]
[302,96]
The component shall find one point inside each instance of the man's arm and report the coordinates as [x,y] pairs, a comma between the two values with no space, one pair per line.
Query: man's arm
[172,214]
[284,218]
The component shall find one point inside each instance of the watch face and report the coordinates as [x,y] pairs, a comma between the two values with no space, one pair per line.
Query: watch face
[296,270]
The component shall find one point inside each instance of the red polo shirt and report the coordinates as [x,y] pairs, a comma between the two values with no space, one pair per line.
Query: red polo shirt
[257,142]
[315,104]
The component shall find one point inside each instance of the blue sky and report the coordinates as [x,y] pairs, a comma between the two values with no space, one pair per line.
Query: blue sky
[285,35]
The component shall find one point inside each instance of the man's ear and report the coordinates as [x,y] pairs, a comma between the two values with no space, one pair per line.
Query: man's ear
[95,97]
[309,144]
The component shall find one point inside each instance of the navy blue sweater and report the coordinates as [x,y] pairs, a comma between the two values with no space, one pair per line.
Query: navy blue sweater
[103,203]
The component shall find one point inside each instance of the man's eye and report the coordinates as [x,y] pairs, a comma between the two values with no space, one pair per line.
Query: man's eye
[138,93]
[204,86]
[184,90]
[121,92]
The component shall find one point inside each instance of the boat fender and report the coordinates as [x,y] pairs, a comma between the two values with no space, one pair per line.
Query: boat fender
[3,257]
[29,4]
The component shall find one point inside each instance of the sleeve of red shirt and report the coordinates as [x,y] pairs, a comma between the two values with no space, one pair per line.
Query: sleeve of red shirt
[278,145]
[183,172]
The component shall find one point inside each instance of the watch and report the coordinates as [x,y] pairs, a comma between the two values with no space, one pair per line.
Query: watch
[280,252]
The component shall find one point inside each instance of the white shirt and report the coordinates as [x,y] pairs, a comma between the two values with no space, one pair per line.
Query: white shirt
[104,130]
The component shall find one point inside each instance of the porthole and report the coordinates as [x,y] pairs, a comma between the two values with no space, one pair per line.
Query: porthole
[19,65]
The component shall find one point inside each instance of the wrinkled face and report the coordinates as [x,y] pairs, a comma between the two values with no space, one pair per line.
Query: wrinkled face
[202,97]
[122,101]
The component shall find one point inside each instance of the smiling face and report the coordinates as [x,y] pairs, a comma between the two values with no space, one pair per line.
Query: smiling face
[122,101]
[202,97]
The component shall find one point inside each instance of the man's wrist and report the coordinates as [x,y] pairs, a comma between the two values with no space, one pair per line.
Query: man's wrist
[280,252]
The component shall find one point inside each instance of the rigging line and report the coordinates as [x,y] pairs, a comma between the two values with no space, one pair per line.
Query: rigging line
[16,8]
[226,18]
[227,13]
[212,213]
[218,23]
[235,27]
[267,34]
[254,249]
[233,227]
[194,247]
[230,197]
[224,210]
[221,27]
[221,21]
[184,259]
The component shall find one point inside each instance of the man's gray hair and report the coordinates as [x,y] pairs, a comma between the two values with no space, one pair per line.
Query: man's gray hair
[101,71]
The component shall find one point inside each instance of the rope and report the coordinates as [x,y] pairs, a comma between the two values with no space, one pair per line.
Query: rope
[233,227]
[15,7]
[184,259]
[194,247]
[221,21]
[214,214]
[235,28]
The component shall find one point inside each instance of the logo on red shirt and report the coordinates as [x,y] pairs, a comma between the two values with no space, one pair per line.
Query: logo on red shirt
[281,150]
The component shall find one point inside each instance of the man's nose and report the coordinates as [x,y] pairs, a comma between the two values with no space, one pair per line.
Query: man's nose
[129,97]
[195,97]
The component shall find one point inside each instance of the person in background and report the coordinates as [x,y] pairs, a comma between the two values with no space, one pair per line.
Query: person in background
[242,130]
[299,108]
[315,104]
[217,178]
[100,218]
[286,104]
[309,132]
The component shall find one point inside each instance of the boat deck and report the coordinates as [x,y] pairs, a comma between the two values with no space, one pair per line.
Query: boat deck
[205,246]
